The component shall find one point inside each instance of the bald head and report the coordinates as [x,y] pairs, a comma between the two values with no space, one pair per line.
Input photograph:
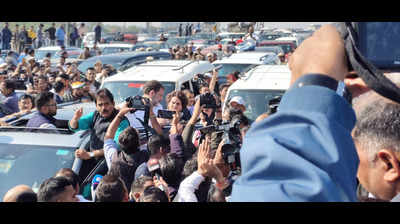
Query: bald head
[20,193]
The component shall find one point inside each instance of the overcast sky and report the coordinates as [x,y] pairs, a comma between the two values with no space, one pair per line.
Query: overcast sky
[268,24]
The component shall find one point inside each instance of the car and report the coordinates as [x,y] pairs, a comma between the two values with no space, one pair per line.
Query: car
[258,86]
[123,60]
[173,74]
[292,39]
[287,46]
[181,41]
[268,36]
[231,36]
[55,52]
[158,45]
[114,48]
[275,49]
[244,61]
[31,155]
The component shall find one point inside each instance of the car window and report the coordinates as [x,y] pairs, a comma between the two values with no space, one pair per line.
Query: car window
[123,89]
[116,62]
[256,101]
[31,165]
[40,54]
[230,68]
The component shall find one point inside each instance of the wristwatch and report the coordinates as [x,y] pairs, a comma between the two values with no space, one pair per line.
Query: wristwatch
[325,81]
[91,154]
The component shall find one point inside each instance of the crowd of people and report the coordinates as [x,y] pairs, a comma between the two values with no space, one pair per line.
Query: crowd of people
[309,150]
[40,36]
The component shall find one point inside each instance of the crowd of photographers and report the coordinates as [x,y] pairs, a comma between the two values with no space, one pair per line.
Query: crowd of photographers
[197,159]
[323,143]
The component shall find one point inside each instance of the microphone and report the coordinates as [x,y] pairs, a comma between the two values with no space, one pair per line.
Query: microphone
[95,182]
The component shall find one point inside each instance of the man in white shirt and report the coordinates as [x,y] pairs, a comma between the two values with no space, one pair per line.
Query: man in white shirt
[153,90]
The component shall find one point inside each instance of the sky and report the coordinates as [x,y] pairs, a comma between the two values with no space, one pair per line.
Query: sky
[268,24]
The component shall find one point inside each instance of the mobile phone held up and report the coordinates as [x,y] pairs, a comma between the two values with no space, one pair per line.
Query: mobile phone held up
[166,114]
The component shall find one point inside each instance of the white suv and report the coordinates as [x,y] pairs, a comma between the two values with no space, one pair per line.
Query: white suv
[173,74]
[258,86]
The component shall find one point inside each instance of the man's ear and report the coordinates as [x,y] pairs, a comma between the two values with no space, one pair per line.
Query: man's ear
[355,85]
[390,164]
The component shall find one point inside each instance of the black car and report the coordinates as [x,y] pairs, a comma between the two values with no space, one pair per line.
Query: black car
[123,60]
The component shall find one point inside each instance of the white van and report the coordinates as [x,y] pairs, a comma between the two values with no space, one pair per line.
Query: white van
[258,86]
[244,61]
[173,74]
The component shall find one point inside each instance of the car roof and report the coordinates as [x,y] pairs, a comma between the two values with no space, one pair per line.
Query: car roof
[275,77]
[121,45]
[23,135]
[245,58]
[126,54]
[163,70]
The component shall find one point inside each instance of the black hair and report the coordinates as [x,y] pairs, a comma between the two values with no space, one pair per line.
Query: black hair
[43,77]
[31,51]
[43,98]
[156,142]
[64,76]
[51,188]
[10,84]
[104,92]
[152,85]
[110,189]
[48,55]
[153,194]
[171,169]
[26,50]
[70,175]
[129,140]
[27,197]
[90,68]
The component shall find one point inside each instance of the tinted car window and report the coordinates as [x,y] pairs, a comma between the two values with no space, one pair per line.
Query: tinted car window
[256,100]
[31,165]
[116,62]
[124,89]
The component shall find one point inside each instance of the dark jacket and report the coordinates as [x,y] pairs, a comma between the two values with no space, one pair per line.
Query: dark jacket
[23,36]
[52,33]
[125,165]
[6,35]
[38,119]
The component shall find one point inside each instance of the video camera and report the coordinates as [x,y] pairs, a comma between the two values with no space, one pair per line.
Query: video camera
[208,100]
[370,48]
[137,103]
[232,138]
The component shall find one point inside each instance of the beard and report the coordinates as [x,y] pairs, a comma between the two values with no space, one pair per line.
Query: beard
[52,113]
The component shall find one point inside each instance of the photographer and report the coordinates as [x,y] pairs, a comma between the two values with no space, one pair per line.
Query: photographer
[177,103]
[319,161]
[154,91]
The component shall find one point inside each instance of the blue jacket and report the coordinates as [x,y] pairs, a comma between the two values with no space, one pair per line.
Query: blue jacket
[304,152]
[60,34]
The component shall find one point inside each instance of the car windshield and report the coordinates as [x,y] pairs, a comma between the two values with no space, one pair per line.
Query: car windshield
[40,54]
[31,165]
[124,89]
[256,101]
[230,68]
[116,62]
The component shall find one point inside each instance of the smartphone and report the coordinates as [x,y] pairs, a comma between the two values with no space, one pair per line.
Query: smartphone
[166,114]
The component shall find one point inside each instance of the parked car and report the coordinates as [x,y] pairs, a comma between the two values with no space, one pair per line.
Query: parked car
[258,86]
[55,52]
[114,48]
[123,60]
[158,45]
[31,155]
[275,49]
[287,46]
[173,74]
[244,61]
[230,36]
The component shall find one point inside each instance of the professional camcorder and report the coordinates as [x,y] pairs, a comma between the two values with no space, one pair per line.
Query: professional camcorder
[370,48]
[208,100]
[137,102]
[232,141]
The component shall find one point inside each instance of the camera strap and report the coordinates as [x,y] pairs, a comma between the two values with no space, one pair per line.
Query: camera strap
[371,75]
